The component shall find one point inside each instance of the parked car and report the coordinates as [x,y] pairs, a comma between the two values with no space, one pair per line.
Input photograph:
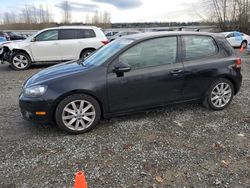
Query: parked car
[54,44]
[237,39]
[133,74]
[122,33]
[2,40]
[109,34]
[14,36]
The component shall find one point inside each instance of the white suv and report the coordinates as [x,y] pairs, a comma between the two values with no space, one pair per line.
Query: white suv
[54,44]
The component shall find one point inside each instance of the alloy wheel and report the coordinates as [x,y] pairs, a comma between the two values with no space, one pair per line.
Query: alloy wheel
[20,61]
[221,95]
[78,115]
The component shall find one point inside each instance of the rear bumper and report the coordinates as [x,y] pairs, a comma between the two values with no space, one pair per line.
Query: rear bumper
[238,83]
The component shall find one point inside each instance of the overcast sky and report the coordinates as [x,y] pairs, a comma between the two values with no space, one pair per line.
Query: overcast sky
[121,10]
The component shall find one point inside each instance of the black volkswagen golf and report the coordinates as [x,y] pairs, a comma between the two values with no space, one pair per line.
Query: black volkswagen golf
[131,74]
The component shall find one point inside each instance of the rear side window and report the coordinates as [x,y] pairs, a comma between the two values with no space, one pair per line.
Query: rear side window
[86,33]
[196,47]
[67,34]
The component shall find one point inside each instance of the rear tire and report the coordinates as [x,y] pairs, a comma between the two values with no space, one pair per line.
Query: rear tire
[219,95]
[20,61]
[78,113]
[243,44]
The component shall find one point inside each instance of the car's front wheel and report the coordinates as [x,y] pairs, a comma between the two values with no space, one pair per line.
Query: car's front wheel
[219,95]
[78,113]
[20,61]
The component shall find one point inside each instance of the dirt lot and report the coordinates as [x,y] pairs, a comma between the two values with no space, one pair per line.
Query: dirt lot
[178,146]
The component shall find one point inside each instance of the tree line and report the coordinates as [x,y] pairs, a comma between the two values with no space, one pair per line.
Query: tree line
[230,14]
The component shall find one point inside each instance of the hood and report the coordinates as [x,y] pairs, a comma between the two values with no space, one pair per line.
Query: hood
[16,44]
[55,72]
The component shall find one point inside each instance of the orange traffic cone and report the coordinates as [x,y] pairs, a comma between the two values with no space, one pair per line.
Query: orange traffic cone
[242,48]
[80,181]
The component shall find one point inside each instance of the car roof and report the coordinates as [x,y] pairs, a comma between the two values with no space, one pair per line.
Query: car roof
[170,33]
[73,27]
[226,33]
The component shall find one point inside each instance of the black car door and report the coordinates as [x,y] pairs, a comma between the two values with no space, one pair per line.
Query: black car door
[155,77]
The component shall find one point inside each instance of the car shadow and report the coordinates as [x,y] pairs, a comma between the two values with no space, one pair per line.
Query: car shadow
[42,65]
[109,123]
[6,66]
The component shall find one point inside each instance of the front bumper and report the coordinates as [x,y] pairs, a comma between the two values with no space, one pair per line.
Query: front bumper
[5,55]
[30,106]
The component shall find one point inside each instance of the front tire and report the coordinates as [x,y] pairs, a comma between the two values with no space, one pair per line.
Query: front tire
[219,95]
[86,53]
[78,113]
[20,61]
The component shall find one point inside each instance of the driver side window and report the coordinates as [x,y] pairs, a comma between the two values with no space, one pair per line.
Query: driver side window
[231,35]
[150,53]
[48,35]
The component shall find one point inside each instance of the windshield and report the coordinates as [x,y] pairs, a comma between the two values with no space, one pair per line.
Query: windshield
[104,53]
[32,36]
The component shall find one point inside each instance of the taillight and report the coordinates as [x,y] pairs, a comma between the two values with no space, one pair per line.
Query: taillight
[105,42]
[238,63]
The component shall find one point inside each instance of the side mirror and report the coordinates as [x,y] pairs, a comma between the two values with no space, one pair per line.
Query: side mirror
[33,40]
[121,68]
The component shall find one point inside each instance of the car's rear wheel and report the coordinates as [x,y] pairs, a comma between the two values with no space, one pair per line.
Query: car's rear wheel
[243,44]
[86,53]
[78,113]
[219,95]
[20,61]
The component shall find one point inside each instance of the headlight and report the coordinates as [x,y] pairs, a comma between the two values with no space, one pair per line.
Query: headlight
[35,91]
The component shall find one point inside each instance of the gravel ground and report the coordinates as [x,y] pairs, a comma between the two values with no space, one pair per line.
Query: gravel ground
[178,146]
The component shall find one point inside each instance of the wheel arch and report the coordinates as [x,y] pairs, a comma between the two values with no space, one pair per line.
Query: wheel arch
[245,40]
[89,48]
[86,92]
[233,82]
[14,51]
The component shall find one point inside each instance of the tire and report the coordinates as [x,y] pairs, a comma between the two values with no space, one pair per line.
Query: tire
[86,53]
[219,95]
[20,61]
[243,44]
[71,119]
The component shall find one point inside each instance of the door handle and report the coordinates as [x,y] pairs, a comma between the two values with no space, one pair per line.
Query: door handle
[176,72]
[55,43]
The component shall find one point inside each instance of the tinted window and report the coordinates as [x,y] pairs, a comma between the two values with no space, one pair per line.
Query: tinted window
[48,35]
[199,46]
[66,34]
[150,53]
[86,33]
